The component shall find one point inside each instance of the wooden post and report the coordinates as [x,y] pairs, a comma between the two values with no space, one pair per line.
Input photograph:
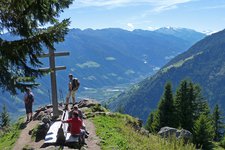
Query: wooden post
[53,70]
[53,84]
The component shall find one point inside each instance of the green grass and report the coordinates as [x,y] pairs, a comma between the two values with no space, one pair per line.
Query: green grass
[180,63]
[216,146]
[116,133]
[8,139]
[89,64]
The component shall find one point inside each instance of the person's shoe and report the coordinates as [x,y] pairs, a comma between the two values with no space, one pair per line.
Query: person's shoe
[87,132]
[31,119]
[86,135]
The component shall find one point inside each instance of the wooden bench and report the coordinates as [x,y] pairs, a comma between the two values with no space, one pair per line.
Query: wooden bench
[51,136]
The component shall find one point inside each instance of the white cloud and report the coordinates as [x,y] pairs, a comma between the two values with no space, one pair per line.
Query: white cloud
[155,5]
[152,28]
[214,7]
[130,26]
[163,5]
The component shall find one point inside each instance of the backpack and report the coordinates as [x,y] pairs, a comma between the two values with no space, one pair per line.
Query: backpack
[30,98]
[75,84]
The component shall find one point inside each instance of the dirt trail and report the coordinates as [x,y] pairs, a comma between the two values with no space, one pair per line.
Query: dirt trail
[25,137]
[25,140]
[92,141]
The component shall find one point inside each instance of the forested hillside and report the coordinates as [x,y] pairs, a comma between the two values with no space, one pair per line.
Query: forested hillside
[203,63]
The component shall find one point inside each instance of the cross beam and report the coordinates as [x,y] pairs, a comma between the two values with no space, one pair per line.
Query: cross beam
[53,69]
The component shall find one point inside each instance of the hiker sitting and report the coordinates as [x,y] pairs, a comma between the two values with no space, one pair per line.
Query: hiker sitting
[80,115]
[75,126]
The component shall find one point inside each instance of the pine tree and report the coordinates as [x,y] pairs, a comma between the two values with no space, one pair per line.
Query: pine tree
[203,132]
[149,123]
[218,125]
[5,121]
[183,106]
[166,107]
[164,115]
[200,105]
[155,126]
[27,19]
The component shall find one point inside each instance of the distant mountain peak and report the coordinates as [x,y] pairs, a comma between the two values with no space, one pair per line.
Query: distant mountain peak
[183,33]
[208,32]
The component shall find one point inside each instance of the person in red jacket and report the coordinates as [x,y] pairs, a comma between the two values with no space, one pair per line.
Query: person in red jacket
[76,126]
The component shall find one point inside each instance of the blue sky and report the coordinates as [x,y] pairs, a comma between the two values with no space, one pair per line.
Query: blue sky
[200,15]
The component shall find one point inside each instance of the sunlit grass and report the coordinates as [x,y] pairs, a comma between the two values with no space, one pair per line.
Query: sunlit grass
[8,139]
[116,133]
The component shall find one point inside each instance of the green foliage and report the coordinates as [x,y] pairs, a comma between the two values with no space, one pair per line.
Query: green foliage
[189,104]
[218,125]
[200,105]
[98,108]
[9,137]
[181,112]
[183,104]
[165,114]
[192,113]
[222,142]
[166,108]
[26,19]
[116,133]
[5,120]
[149,123]
[203,132]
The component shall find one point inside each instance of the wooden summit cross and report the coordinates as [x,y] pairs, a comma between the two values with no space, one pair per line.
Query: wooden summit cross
[53,69]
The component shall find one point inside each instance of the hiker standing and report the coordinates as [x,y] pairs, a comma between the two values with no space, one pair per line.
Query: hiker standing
[73,87]
[28,101]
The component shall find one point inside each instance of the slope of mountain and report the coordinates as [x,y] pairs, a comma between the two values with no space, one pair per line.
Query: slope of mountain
[203,63]
[106,57]
[98,56]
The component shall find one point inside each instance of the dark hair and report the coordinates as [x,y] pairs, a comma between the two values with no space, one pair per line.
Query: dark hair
[75,114]
[70,75]
[75,107]
[27,89]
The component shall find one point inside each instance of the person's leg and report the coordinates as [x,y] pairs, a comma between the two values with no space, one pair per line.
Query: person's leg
[82,134]
[27,112]
[27,117]
[67,99]
[73,97]
[84,128]
[31,112]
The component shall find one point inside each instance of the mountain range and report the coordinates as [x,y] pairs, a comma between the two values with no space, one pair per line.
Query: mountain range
[203,63]
[107,57]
